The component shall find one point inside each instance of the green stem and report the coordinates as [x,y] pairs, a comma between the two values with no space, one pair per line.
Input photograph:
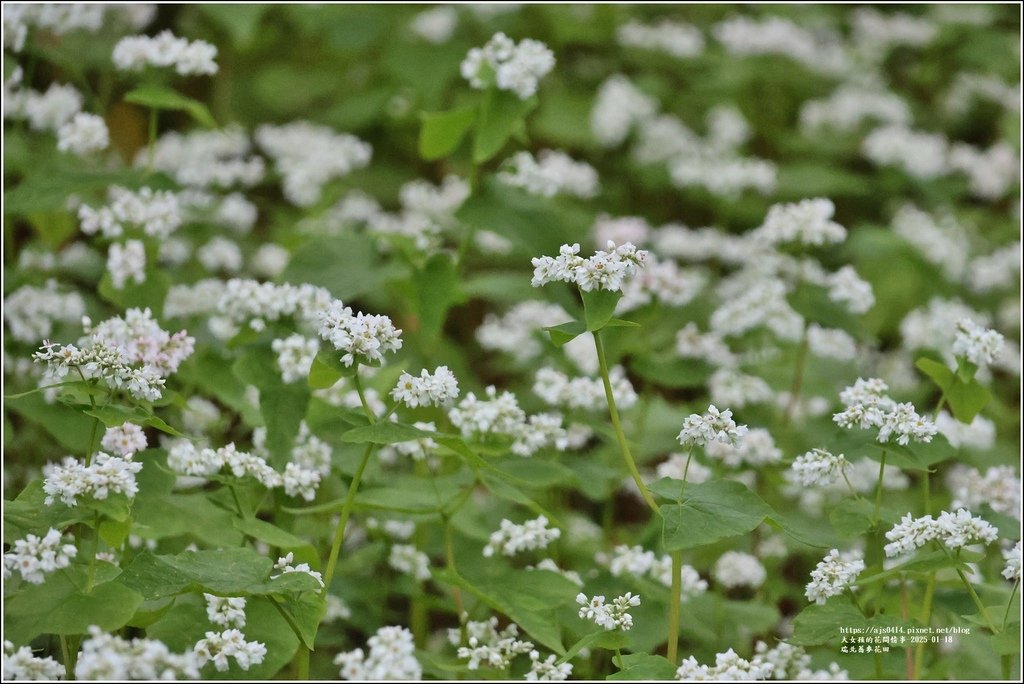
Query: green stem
[977,601]
[69,663]
[362,397]
[346,511]
[878,491]
[151,154]
[675,605]
[618,656]
[449,558]
[926,491]
[614,412]
[925,619]
[856,603]
[1013,592]
[302,663]
[92,554]
[798,377]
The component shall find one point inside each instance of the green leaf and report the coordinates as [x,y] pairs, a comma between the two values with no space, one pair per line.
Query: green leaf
[384,432]
[226,572]
[150,294]
[327,369]
[599,307]
[566,332]
[70,427]
[114,415]
[304,615]
[442,132]
[924,562]
[501,112]
[162,97]
[276,537]
[1007,642]
[672,372]
[437,290]
[965,396]
[711,511]
[851,517]
[29,514]
[819,624]
[348,265]
[240,21]
[644,667]
[609,640]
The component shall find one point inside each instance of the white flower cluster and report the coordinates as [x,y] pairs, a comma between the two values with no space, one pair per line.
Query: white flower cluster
[921,155]
[410,560]
[284,564]
[618,107]
[729,386]
[671,37]
[157,213]
[606,270]
[551,173]
[83,134]
[999,487]
[742,35]
[551,566]
[850,290]
[639,562]
[220,254]
[249,300]
[436,24]
[295,355]
[417,449]
[364,338]
[849,105]
[675,466]
[558,389]
[135,53]
[763,304]
[997,270]
[34,557]
[511,539]
[1013,562]
[109,657]
[55,18]
[501,416]
[21,665]
[439,388]
[126,262]
[980,434]
[831,343]
[691,343]
[104,476]
[225,611]
[612,616]
[876,31]
[508,65]
[728,667]
[661,280]
[712,426]
[547,670]
[818,467]
[394,529]
[934,325]
[308,156]
[940,240]
[979,345]
[124,440]
[867,406]
[833,575]
[754,448]
[391,657]
[185,458]
[48,111]
[516,332]
[30,311]
[202,159]
[793,662]
[337,609]
[953,530]
[219,647]
[485,645]
[738,569]
[969,86]
[807,222]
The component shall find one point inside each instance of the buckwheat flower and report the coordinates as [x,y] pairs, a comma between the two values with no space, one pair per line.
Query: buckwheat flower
[738,569]
[558,389]
[422,449]
[550,174]
[410,560]
[762,304]
[435,25]
[909,534]
[225,611]
[675,466]
[391,657]
[124,440]
[437,389]
[999,487]
[754,448]
[49,111]
[84,134]
[508,65]
[833,575]
[957,530]
[30,312]
[712,426]
[337,609]
[218,648]
[850,105]
[981,346]
[109,657]
[485,645]
[199,415]
[135,53]
[980,434]
[728,667]
[691,583]
[547,670]
[818,467]
[997,270]
[850,290]
[671,37]
[511,539]
[299,481]
[905,424]
[295,355]
[21,665]
[157,213]
[808,222]
[691,343]
[284,564]
[35,557]
[630,560]
[201,159]
[940,240]
[104,476]
[613,616]
[921,155]
[662,281]
[255,303]
[831,343]
[364,338]
[729,386]
[126,262]
[394,529]
[517,331]
[618,107]
[220,254]
[1012,569]
[551,566]
[741,35]
[880,31]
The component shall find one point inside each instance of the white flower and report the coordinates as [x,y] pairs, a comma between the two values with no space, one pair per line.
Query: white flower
[34,557]
[999,487]
[546,670]
[410,560]
[940,240]
[49,111]
[671,37]
[109,657]
[295,355]
[511,539]
[337,609]
[1012,557]
[157,213]
[808,222]
[714,425]
[954,530]
[550,174]
[284,564]
[485,645]
[126,262]
[364,338]
[981,346]
[728,667]
[516,332]
[831,343]
[618,107]
[729,386]
[851,104]
[818,467]
[606,270]
[833,575]
[613,616]
[509,66]
[134,53]
[921,155]
[225,611]
[202,159]
[558,389]
[906,424]
[124,440]
[437,389]
[500,415]
[741,35]
[850,290]
[30,312]
[738,569]
[21,665]
[220,254]
[436,24]
[391,657]
[104,476]
[219,647]
[754,448]
[85,133]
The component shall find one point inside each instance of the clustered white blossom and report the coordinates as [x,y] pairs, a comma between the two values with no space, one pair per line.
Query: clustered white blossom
[1013,562]
[105,475]
[919,154]
[979,434]
[395,529]
[639,562]
[516,332]
[185,458]
[939,239]
[999,487]
[664,281]
[882,31]
[612,616]
[336,610]
[755,447]
[421,449]
[551,566]
[738,569]
[868,406]
[833,575]
[691,343]
[731,387]
[410,560]
[109,657]
[979,345]
[284,564]
[762,305]
[851,104]
[712,426]
[364,338]
[619,106]
[220,254]
[549,174]
[818,467]
[436,24]
[997,270]
[439,388]
[485,645]
[499,415]
[219,647]
[793,662]
[728,667]
[21,665]
[953,530]
[135,53]
[392,656]
[202,159]
[48,111]
[126,262]
[547,670]
[831,343]
[558,389]
[511,539]
[671,37]
[295,355]
[30,311]
[124,440]
[34,557]
[83,134]
[676,466]
[225,611]
[741,35]
[807,222]
[605,270]
[517,67]
[244,300]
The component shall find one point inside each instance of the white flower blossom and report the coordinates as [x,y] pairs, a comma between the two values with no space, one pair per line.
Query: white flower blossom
[439,388]
[833,575]
[485,645]
[35,557]
[391,657]
[109,657]
[712,426]
[219,647]
[738,569]
[225,611]
[612,616]
[511,539]
[508,65]
[124,440]
[134,53]
[84,134]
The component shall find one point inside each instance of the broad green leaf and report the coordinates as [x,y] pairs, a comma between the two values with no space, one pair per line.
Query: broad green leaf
[711,511]
[924,562]
[819,624]
[437,290]
[442,132]
[566,332]
[965,396]
[327,369]
[501,112]
[240,21]
[384,432]
[304,614]
[1006,642]
[348,265]
[535,472]
[29,514]
[114,415]
[502,488]
[150,294]
[283,409]
[162,97]
[599,307]
[644,667]
[276,537]
[672,372]
[605,639]
[70,427]
[226,572]
[193,514]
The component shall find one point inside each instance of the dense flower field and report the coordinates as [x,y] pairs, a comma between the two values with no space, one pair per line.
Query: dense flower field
[511,341]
